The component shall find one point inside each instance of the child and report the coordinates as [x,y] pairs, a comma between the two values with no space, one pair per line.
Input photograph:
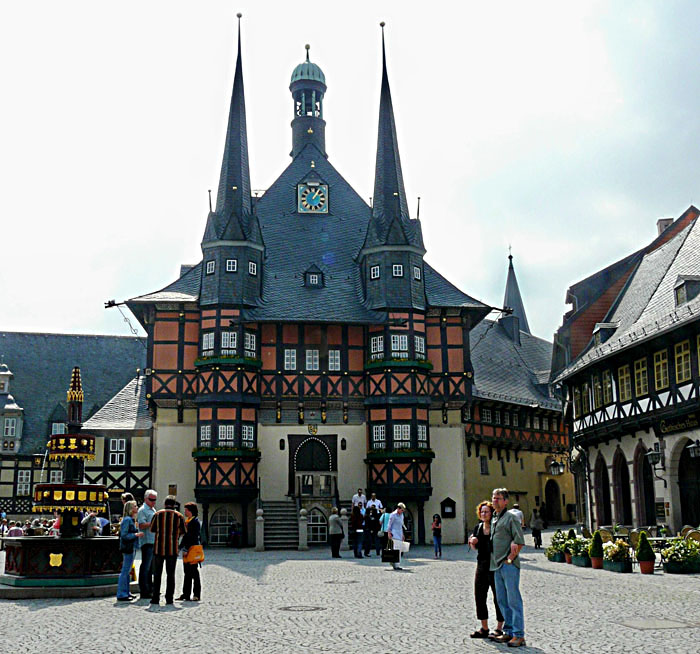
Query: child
[437,535]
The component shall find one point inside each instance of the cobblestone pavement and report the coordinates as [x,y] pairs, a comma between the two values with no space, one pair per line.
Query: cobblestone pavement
[305,602]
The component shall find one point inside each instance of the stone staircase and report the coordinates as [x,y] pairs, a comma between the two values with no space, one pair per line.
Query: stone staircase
[281,525]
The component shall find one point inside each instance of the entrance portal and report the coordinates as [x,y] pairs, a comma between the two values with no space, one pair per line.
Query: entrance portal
[689,486]
[312,466]
[553,501]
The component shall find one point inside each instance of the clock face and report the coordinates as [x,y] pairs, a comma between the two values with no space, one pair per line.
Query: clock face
[312,198]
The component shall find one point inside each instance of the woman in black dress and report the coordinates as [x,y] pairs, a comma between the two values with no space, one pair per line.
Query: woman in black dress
[481,542]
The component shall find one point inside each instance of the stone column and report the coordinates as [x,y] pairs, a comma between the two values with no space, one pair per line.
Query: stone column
[259,531]
[345,545]
[303,534]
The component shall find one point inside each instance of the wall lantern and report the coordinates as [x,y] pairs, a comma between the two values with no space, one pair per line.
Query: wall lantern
[656,458]
[557,468]
[694,450]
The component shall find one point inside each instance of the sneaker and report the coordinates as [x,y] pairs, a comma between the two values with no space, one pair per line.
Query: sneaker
[503,638]
[516,642]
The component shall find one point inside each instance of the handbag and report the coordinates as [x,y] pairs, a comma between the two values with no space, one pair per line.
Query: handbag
[389,554]
[195,554]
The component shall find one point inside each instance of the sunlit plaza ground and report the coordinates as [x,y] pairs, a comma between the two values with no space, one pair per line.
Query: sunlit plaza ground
[306,602]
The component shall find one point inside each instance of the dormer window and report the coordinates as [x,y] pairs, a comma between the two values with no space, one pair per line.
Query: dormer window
[10,427]
[686,288]
[314,279]
[210,267]
[58,428]
[603,331]
[397,270]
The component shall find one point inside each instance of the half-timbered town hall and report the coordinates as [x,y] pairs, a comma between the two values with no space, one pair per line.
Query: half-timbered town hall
[313,350]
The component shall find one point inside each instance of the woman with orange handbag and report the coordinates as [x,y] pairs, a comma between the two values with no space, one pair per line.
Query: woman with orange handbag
[192,554]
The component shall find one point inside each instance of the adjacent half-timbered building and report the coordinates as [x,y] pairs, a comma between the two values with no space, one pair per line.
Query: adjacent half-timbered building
[634,391]
[312,350]
[33,406]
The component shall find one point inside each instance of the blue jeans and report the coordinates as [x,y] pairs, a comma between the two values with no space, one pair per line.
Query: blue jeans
[146,570]
[359,537]
[437,543]
[507,579]
[125,576]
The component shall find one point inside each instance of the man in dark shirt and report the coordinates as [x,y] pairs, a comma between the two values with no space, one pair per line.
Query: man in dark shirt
[168,525]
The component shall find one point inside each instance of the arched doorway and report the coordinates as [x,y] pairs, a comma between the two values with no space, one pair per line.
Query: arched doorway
[623,494]
[644,486]
[689,487]
[602,493]
[221,524]
[553,500]
[312,465]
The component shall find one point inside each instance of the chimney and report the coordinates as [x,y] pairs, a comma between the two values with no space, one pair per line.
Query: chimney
[662,224]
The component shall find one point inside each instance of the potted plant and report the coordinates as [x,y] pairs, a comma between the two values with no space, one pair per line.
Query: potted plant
[555,552]
[616,556]
[595,551]
[681,556]
[645,555]
[570,538]
[579,552]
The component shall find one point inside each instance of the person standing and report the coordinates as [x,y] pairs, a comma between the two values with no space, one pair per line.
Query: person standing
[359,498]
[483,579]
[395,530]
[371,529]
[520,515]
[193,530]
[357,524]
[335,533]
[127,540]
[144,518]
[437,535]
[384,517]
[537,525]
[374,502]
[506,542]
[167,525]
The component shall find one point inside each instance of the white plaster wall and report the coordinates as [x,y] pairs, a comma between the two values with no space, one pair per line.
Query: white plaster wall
[173,443]
[447,475]
[273,468]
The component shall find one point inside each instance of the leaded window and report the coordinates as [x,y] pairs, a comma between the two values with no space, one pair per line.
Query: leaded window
[229,343]
[227,434]
[290,359]
[247,436]
[641,382]
[420,347]
[208,344]
[205,435]
[661,370]
[376,345]
[402,435]
[249,345]
[399,346]
[24,482]
[422,436]
[312,359]
[333,359]
[378,437]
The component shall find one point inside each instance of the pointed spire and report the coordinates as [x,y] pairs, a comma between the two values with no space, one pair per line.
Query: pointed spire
[389,191]
[75,398]
[233,197]
[512,298]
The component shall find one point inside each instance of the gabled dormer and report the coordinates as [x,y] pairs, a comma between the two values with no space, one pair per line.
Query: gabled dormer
[313,277]
[686,288]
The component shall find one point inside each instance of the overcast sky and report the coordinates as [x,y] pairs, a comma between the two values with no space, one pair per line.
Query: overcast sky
[563,129]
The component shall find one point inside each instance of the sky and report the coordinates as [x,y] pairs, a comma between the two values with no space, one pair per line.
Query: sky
[562,130]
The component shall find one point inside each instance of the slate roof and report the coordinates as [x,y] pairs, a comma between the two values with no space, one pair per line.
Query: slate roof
[42,366]
[507,372]
[127,410]
[646,305]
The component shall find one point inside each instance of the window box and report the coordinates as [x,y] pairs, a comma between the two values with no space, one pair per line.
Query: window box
[242,452]
[229,360]
[402,453]
[398,363]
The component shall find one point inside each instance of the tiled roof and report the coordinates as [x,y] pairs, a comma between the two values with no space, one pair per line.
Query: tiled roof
[507,372]
[512,297]
[184,289]
[42,366]
[646,307]
[127,410]
[442,293]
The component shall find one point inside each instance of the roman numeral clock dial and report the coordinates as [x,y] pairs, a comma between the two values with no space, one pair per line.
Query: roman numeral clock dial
[312,198]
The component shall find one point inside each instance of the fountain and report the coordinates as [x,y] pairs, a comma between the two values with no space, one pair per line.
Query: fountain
[69,560]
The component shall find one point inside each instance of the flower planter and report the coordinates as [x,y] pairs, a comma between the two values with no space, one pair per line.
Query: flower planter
[597,562]
[681,567]
[646,567]
[558,557]
[567,556]
[617,566]
[581,561]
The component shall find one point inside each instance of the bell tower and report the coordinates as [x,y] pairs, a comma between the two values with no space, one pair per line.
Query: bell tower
[308,86]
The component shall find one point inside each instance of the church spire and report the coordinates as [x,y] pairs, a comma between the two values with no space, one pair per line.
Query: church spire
[233,197]
[390,208]
[512,298]
[389,191]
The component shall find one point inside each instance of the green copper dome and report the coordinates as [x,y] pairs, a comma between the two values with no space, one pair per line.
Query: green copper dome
[308,70]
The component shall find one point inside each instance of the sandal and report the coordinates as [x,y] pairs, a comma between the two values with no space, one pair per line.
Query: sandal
[481,633]
[495,633]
